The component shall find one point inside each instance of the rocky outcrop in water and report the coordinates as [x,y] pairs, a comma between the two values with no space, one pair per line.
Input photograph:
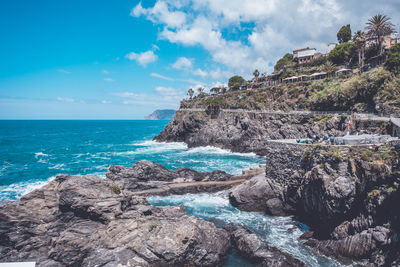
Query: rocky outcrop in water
[256,250]
[144,175]
[87,221]
[348,195]
[244,131]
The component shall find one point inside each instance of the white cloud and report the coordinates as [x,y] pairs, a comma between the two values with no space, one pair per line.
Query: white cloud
[108,79]
[160,13]
[64,71]
[160,97]
[106,102]
[153,74]
[200,72]
[143,58]
[106,72]
[243,35]
[183,63]
[65,99]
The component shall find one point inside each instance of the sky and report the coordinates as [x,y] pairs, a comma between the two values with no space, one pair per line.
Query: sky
[119,59]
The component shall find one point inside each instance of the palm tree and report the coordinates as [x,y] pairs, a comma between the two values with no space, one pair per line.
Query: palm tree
[329,68]
[360,40]
[256,73]
[191,92]
[200,90]
[378,27]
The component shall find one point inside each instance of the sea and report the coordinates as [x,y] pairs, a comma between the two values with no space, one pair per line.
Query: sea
[34,152]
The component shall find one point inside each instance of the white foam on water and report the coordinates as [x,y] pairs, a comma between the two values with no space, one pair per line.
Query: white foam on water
[20,189]
[4,167]
[280,232]
[40,154]
[58,166]
[211,150]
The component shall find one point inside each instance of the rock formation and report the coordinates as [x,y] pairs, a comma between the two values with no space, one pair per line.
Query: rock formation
[253,248]
[86,221]
[347,195]
[145,175]
[244,131]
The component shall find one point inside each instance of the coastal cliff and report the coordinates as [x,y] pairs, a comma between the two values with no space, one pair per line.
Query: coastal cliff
[347,195]
[249,131]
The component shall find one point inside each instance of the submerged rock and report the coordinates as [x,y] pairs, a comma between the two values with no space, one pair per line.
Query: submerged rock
[256,250]
[87,221]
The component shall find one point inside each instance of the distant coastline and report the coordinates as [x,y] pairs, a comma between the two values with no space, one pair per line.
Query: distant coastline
[161,114]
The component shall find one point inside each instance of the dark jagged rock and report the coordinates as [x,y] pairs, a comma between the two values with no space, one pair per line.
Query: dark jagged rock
[256,250]
[145,175]
[347,195]
[86,221]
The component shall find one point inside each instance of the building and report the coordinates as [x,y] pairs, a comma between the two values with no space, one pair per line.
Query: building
[388,41]
[305,55]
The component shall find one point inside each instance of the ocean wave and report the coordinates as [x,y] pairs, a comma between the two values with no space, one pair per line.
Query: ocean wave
[217,151]
[40,154]
[4,167]
[58,166]
[17,190]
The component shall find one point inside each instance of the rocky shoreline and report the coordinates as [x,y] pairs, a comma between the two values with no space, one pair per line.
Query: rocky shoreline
[347,195]
[89,221]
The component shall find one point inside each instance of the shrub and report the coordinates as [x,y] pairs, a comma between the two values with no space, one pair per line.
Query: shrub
[152,226]
[393,59]
[116,189]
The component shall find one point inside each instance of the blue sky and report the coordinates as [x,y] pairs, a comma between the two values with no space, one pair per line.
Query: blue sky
[123,59]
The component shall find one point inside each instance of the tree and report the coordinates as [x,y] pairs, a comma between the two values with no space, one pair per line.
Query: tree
[360,40]
[378,27]
[343,53]
[235,82]
[191,92]
[284,61]
[393,60]
[329,68]
[200,90]
[256,73]
[344,34]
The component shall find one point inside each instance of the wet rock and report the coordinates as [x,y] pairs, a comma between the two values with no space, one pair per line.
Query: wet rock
[253,248]
[144,175]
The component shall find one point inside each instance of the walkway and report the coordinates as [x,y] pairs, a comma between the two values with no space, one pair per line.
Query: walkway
[190,187]
[370,116]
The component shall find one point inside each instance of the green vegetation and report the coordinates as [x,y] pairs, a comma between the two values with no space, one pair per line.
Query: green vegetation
[393,60]
[378,27]
[343,53]
[235,82]
[344,34]
[116,189]
[286,60]
[152,226]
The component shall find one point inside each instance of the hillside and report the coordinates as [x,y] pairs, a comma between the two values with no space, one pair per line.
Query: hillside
[375,91]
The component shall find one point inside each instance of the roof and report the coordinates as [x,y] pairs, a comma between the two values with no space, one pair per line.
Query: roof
[307,52]
[301,49]
[343,70]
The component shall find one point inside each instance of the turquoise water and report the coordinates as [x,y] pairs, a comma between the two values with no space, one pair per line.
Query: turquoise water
[281,232]
[34,152]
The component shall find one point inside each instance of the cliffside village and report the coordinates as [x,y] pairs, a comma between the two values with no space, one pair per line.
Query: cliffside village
[307,55]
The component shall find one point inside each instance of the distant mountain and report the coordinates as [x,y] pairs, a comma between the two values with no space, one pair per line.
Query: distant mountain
[161,114]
